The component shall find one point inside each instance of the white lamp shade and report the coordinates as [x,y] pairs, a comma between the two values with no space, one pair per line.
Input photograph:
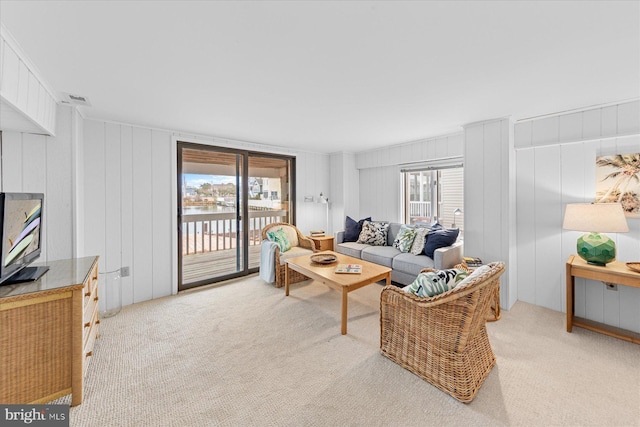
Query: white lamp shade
[595,217]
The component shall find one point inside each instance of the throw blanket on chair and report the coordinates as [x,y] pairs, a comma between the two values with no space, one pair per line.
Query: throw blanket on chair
[268,261]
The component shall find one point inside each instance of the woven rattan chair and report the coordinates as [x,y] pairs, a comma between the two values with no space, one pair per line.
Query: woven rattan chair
[303,243]
[442,339]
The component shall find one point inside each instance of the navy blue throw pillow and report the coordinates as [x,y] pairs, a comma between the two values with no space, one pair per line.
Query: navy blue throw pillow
[439,239]
[352,228]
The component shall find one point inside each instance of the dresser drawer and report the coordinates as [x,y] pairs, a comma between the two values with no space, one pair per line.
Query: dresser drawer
[89,341]
[90,285]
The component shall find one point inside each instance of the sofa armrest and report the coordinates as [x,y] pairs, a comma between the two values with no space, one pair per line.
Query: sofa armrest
[338,237]
[448,256]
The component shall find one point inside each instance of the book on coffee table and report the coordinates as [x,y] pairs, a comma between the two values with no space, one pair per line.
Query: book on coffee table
[349,268]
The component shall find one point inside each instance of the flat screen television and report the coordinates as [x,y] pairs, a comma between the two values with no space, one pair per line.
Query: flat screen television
[20,236]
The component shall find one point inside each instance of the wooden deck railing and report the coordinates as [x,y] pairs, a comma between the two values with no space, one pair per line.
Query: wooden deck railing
[217,230]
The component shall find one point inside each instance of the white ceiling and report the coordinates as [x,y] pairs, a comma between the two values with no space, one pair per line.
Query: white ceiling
[330,76]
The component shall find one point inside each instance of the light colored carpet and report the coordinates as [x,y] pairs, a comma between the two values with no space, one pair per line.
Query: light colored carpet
[244,354]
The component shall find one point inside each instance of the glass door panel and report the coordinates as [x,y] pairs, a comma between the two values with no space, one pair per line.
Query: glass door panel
[210,207]
[269,193]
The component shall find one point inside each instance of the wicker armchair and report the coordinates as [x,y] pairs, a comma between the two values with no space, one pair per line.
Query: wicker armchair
[304,245]
[442,339]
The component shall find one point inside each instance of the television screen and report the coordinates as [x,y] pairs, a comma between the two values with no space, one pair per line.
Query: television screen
[21,231]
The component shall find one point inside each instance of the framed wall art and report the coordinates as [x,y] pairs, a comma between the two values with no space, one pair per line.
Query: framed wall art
[618,181]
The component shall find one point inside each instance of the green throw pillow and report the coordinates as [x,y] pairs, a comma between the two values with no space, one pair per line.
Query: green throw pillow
[404,240]
[279,238]
[434,283]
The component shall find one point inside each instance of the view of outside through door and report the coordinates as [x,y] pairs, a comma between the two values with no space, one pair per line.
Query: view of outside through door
[214,244]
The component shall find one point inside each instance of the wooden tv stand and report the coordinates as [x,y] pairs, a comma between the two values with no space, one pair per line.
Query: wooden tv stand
[47,331]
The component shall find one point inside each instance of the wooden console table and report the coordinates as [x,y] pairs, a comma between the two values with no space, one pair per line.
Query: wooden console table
[614,272]
[47,331]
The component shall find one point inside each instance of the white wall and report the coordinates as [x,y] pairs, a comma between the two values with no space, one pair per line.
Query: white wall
[44,164]
[555,166]
[130,201]
[489,199]
[344,195]
[380,184]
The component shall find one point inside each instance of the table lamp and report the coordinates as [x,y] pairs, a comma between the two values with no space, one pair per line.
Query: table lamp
[595,218]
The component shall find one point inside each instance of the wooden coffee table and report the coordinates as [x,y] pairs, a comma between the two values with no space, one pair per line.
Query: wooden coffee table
[325,273]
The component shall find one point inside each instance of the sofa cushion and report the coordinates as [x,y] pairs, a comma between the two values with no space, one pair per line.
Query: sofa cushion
[412,264]
[417,247]
[374,233]
[439,239]
[433,283]
[353,249]
[294,252]
[404,240]
[352,228]
[394,229]
[382,255]
[279,237]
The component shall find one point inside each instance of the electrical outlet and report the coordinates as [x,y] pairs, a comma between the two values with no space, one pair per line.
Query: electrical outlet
[611,286]
[124,271]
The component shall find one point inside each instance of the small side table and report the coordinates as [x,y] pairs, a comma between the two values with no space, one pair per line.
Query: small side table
[614,272]
[324,243]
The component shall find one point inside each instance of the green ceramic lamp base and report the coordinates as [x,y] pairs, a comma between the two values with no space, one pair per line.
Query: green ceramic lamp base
[596,249]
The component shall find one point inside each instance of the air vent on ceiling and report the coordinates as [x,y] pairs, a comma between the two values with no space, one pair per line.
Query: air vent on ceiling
[68,98]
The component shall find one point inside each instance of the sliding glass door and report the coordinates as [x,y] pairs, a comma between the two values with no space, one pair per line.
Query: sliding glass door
[225,198]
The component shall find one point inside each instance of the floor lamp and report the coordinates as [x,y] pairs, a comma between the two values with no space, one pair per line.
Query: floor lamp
[325,201]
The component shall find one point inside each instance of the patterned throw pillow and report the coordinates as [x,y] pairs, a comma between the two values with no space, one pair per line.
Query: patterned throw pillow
[435,282]
[404,240]
[279,237]
[374,233]
[418,242]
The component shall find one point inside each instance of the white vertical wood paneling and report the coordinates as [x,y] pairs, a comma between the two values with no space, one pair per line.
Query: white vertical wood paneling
[59,189]
[94,190]
[492,194]
[522,135]
[78,179]
[609,123]
[600,122]
[575,183]
[112,199]
[474,187]
[548,213]
[417,151]
[23,90]
[10,74]
[32,97]
[570,127]
[23,87]
[573,160]
[11,161]
[126,214]
[591,122]
[525,229]
[629,118]
[142,269]
[161,213]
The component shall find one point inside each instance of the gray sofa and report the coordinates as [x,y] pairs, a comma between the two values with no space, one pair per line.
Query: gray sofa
[405,266]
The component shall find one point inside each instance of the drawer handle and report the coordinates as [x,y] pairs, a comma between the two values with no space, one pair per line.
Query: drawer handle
[89,354]
[86,325]
[95,299]
[97,321]
[88,294]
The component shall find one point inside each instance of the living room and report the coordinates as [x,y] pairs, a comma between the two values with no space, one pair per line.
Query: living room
[111,177]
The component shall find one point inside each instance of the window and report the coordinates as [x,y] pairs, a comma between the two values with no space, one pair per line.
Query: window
[432,194]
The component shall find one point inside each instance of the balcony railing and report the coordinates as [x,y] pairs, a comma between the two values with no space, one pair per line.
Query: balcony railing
[421,211]
[217,231]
